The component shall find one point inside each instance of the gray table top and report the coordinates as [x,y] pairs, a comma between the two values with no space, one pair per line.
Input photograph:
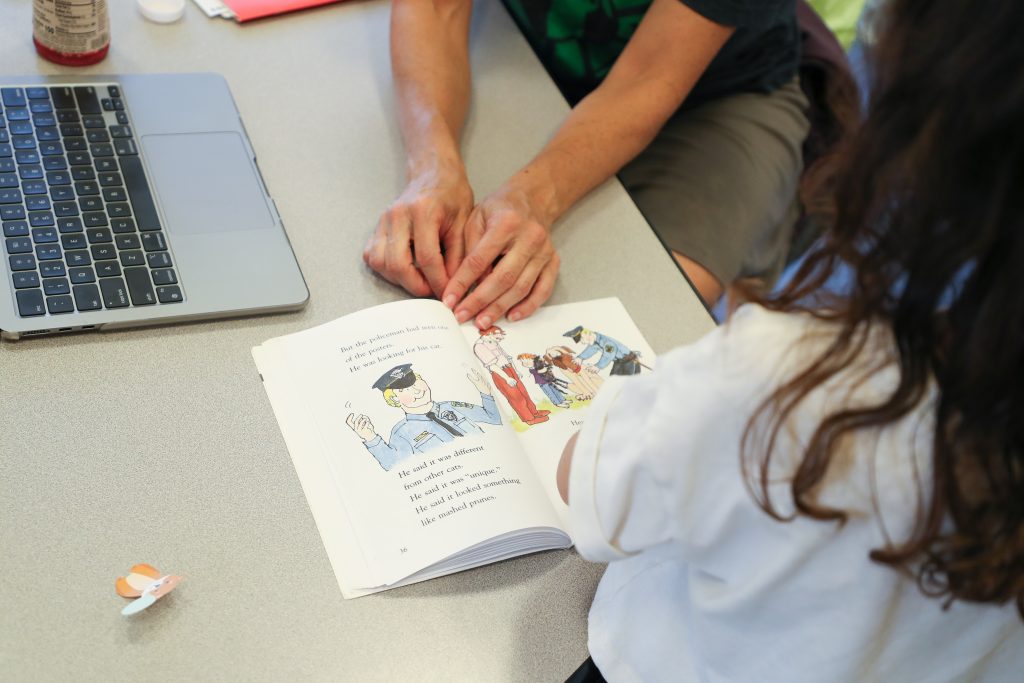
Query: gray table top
[159,445]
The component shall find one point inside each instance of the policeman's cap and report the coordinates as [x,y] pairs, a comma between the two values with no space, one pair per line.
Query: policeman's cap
[575,333]
[398,377]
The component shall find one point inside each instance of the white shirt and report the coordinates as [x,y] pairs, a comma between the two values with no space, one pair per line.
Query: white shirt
[702,585]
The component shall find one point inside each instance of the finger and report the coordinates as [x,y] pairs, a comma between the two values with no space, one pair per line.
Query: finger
[398,266]
[351,420]
[541,292]
[454,245]
[468,269]
[473,266]
[513,295]
[373,252]
[503,280]
[426,231]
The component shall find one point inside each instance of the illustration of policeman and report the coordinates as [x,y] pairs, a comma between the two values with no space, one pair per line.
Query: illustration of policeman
[427,424]
[624,361]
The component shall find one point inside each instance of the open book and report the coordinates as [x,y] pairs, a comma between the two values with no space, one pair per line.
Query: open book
[425,447]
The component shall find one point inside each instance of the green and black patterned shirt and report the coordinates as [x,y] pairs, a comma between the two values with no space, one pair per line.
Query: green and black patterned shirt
[579,40]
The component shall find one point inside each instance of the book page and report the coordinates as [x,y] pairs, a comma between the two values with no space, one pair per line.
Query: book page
[391,405]
[548,368]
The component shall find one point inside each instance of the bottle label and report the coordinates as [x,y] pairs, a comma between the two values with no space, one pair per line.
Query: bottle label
[71,27]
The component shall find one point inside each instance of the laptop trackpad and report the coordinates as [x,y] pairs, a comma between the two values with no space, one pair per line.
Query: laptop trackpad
[206,182]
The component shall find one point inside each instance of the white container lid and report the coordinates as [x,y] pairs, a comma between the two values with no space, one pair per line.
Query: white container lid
[162,11]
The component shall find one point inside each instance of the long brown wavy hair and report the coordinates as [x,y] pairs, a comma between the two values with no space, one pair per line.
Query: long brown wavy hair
[928,204]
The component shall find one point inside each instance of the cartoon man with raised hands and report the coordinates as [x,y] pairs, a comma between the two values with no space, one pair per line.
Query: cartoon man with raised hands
[427,423]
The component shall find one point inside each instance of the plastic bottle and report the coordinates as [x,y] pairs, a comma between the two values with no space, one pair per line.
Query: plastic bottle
[71,32]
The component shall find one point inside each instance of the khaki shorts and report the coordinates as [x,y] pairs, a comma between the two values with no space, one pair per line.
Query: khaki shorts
[718,183]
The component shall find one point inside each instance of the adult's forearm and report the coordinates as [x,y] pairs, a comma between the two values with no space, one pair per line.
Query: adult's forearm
[430,67]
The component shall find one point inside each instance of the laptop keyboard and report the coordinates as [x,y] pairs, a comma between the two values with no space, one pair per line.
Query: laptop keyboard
[81,231]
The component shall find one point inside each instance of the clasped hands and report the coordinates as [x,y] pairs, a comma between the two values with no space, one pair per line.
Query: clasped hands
[485,261]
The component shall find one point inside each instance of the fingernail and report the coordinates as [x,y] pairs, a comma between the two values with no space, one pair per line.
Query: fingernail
[483,322]
[512,317]
[462,316]
[450,300]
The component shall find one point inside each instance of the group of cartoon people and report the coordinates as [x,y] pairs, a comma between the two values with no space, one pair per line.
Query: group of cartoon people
[428,423]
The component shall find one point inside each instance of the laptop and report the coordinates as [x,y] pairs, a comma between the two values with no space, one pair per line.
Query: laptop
[133,200]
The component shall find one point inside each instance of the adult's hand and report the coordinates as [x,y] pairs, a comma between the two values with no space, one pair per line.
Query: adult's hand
[418,242]
[510,258]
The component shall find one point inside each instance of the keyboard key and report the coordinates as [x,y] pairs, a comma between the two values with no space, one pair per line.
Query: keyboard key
[30,303]
[15,228]
[19,245]
[52,269]
[138,286]
[164,276]
[58,178]
[94,220]
[40,218]
[82,275]
[37,94]
[138,190]
[113,91]
[65,209]
[88,103]
[4,135]
[23,142]
[125,147]
[44,235]
[87,187]
[111,179]
[122,118]
[37,203]
[77,258]
[87,297]
[82,173]
[62,193]
[159,259]
[27,155]
[12,212]
[48,252]
[57,285]
[66,225]
[90,203]
[6,151]
[108,269]
[71,130]
[8,180]
[74,241]
[13,97]
[10,196]
[115,294]
[33,187]
[46,133]
[63,97]
[21,128]
[77,145]
[153,241]
[122,225]
[102,149]
[125,241]
[42,114]
[118,210]
[54,163]
[78,158]
[26,279]
[60,304]
[97,135]
[99,235]
[20,114]
[120,132]
[32,172]
[50,149]
[135,258]
[169,295]
[103,251]
[114,194]
[7,165]
[67,116]
[107,166]
[23,262]
[107,104]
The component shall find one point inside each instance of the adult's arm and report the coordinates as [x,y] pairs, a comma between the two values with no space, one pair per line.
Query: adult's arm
[430,68]
[667,54]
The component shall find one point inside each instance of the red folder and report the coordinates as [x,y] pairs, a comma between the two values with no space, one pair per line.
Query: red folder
[257,9]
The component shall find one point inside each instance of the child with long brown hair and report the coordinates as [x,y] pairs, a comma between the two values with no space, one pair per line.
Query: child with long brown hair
[831,487]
